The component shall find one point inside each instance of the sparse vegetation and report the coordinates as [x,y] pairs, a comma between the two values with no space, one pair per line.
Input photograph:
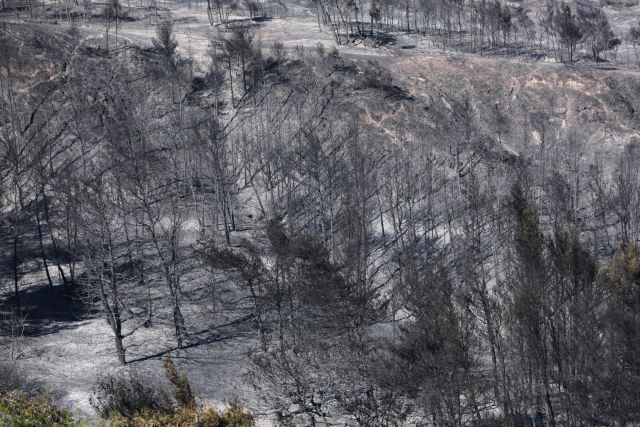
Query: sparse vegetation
[126,395]
[181,388]
[14,378]
[133,401]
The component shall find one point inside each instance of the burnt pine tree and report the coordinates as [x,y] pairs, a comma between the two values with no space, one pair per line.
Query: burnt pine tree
[568,29]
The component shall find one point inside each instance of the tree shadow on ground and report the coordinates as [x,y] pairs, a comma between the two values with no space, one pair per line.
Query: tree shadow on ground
[44,312]
[229,331]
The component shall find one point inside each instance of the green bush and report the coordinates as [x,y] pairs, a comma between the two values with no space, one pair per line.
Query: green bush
[19,410]
[234,416]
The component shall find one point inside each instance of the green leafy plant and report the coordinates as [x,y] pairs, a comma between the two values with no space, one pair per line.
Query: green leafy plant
[19,410]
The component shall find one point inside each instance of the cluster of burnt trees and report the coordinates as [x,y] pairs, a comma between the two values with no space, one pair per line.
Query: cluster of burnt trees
[218,11]
[479,25]
[393,281]
[559,30]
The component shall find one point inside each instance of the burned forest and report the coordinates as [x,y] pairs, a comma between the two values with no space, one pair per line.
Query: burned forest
[235,213]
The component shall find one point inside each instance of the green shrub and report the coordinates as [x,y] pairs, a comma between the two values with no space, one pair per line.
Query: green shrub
[185,417]
[234,416]
[19,410]
[210,418]
[181,387]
